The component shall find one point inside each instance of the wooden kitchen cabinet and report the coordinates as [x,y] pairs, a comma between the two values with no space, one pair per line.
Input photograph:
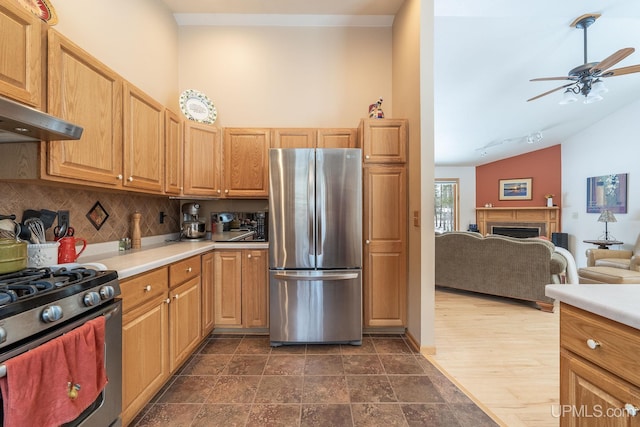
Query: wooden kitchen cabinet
[202,160]
[314,138]
[293,138]
[184,321]
[337,138]
[255,288]
[21,61]
[385,223]
[241,288]
[208,294]
[384,140]
[173,156]
[144,141]
[145,339]
[88,93]
[246,162]
[599,371]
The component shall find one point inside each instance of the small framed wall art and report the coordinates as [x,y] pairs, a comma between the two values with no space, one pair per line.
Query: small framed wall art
[515,189]
[97,216]
[607,192]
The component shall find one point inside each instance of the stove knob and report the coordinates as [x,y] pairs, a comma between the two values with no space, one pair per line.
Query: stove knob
[91,299]
[107,292]
[3,335]
[52,313]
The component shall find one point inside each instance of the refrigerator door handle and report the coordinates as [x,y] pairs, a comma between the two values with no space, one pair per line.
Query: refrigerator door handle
[311,206]
[324,276]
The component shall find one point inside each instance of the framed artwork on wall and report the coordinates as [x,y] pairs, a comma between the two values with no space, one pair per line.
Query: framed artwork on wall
[607,192]
[515,189]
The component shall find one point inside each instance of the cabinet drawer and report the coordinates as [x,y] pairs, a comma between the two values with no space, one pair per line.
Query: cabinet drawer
[144,287]
[616,345]
[181,271]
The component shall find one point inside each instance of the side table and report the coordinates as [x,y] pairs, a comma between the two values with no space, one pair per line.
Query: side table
[604,244]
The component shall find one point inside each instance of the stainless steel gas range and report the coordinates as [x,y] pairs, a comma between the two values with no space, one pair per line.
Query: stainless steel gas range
[41,305]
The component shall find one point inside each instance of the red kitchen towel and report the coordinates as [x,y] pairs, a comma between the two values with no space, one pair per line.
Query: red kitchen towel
[53,383]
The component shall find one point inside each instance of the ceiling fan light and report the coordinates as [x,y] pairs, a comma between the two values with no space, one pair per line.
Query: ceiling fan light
[598,88]
[568,97]
[592,97]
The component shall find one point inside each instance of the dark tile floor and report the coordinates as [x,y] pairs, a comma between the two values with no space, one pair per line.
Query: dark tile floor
[242,381]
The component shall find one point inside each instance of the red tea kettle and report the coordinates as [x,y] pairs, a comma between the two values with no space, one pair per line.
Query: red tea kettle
[67,250]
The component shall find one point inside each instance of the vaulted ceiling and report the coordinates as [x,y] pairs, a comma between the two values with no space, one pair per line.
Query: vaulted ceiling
[486,51]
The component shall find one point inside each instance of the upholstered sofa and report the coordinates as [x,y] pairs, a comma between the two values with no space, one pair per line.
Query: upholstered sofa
[498,265]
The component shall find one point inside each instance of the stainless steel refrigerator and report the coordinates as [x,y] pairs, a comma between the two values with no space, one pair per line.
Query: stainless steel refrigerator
[315,246]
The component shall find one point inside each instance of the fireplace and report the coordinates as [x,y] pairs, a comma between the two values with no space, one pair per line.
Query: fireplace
[544,220]
[519,232]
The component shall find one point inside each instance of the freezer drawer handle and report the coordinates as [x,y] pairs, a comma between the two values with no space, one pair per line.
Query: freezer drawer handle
[326,276]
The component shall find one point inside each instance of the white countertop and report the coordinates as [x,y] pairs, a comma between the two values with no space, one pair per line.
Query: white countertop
[620,303]
[135,261]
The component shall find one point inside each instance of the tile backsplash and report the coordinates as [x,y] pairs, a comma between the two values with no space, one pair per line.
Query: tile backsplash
[17,197]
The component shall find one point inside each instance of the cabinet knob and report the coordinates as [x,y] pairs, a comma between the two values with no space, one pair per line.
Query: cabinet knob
[176,296]
[119,177]
[631,409]
[147,288]
[130,179]
[167,301]
[189,269]
[218,191]
[249,256]
[367,157]
[367,241]
[592,344]
[226,191]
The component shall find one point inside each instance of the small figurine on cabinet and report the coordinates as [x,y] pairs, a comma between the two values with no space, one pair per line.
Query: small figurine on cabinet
[375,110]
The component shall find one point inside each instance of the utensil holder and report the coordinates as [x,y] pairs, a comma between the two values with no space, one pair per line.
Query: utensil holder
[42,254]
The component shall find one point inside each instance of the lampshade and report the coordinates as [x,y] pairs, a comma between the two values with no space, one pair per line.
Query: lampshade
[568,97]
[607,216]
[598,87]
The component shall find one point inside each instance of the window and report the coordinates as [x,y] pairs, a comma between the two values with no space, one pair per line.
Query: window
[446,215]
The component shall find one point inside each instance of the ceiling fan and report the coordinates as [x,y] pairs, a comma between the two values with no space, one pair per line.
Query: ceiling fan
[586,78]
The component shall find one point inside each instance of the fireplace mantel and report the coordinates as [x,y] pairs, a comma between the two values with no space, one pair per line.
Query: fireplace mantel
[548,219]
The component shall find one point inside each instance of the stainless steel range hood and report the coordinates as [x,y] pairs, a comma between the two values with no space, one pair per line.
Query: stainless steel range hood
[19,123]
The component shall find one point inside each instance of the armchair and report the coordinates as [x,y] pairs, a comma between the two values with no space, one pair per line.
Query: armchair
[623,258]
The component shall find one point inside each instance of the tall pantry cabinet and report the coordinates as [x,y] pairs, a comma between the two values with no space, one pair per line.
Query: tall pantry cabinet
[384,149]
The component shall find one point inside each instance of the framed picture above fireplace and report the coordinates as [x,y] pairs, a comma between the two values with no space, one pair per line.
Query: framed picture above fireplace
[515,189]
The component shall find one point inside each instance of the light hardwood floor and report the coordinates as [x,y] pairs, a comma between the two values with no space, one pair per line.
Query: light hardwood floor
[504,353]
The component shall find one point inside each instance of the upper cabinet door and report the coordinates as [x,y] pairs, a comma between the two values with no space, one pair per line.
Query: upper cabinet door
[293,138]
[384,140]
[20,54]
[143,140]
[84,91]
[173,157]
[246,167]
[202,162]
[337,138]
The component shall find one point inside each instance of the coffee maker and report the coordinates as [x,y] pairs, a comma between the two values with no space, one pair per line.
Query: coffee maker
[192,227]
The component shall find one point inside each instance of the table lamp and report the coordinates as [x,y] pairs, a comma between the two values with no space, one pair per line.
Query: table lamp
[606,216]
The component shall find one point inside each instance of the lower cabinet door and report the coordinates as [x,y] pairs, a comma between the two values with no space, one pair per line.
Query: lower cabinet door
[184,321]
[145,363]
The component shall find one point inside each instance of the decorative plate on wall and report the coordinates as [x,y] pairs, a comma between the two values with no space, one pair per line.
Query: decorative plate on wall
[42,9]
[198,107]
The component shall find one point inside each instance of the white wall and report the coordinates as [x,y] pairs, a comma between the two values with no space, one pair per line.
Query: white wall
[467,191]
[137,39]
[288,76]
[609,146]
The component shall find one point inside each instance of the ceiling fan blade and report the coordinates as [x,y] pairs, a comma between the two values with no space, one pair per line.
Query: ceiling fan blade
[550,91]
[621,71]
[612,60]
[541,79]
